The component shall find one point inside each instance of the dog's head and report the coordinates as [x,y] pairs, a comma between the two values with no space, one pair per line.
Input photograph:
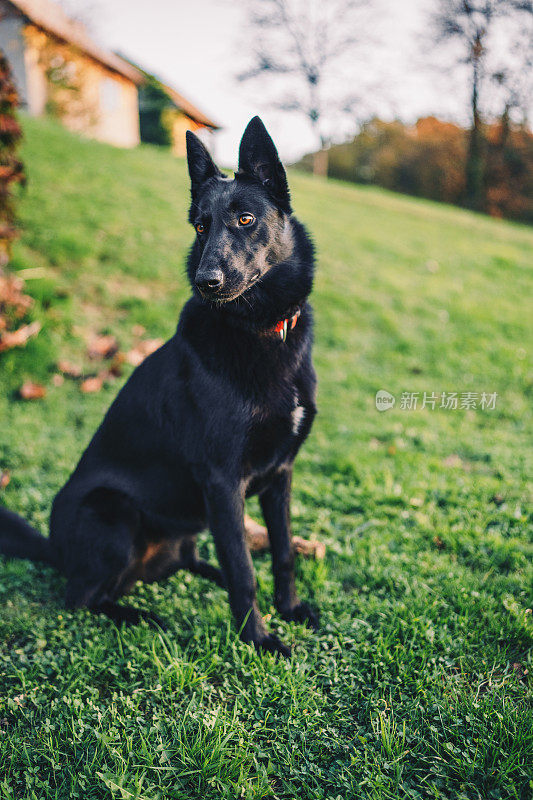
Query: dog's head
[242,224]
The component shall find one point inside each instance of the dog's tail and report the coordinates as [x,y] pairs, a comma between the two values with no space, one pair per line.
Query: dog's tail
[19,540]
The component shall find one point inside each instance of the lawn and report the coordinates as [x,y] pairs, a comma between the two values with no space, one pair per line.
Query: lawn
[418,683]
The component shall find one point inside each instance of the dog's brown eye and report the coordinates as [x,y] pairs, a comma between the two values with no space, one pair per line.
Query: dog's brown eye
[200,228]
[246,219]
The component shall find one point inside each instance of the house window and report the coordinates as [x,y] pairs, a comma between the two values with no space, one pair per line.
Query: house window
[109,94]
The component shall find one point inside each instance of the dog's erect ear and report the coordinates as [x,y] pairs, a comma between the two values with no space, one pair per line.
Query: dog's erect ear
[259,158]
[201,165]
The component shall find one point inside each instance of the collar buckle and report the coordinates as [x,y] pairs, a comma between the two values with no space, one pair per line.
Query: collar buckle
[286,324]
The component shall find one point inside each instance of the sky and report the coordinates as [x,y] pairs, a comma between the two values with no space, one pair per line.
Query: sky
[198,46]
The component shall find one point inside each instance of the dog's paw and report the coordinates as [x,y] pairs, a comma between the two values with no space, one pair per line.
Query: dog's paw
[302,613]
[272,644]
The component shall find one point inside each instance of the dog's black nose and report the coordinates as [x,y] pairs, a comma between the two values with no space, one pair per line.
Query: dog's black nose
[209,280]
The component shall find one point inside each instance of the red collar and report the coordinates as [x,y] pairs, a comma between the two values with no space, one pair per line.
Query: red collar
[283,325]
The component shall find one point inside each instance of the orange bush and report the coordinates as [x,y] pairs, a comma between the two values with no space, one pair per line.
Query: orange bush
[429,160]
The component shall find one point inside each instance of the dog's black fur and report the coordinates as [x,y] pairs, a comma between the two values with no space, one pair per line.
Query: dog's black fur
[215,415]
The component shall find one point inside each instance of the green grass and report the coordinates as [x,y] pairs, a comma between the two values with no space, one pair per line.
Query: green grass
[418,684]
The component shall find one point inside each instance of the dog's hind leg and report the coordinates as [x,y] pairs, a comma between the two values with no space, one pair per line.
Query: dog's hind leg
[102,558]
[163,559]
[198,566]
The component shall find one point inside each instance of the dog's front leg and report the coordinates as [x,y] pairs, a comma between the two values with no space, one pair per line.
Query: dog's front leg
[275,504]
[225,511]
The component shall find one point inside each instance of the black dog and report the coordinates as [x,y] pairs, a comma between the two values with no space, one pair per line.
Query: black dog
[215,415]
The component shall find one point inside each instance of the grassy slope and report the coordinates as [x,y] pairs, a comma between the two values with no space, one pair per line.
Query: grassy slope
[409,690]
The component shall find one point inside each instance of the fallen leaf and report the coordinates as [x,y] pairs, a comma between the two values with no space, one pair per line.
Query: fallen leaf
[497,499]
[115,369]
[5,477]
[135,357]
[143,349]
[453,460]
[416,502]
[69,369]
[151,345]
[58,380]
[138,330]
[91,385]
[102,347]
[437,541]
[11,294]
[19,337]
[32,391]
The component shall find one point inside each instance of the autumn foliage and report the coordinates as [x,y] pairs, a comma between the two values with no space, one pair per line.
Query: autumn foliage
[429,160]
[14,304]
[11,168]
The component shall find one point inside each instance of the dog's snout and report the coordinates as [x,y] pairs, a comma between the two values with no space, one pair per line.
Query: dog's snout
[210,280]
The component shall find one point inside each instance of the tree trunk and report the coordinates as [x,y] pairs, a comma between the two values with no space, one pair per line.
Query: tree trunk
[320,158]
[505,122]
[320,163]
[475,164]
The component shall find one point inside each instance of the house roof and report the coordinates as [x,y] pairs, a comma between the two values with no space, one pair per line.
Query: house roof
[50,17]
[189,109]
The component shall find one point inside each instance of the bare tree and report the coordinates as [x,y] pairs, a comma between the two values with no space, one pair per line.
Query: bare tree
[513,77]
[312,45]
[472,24]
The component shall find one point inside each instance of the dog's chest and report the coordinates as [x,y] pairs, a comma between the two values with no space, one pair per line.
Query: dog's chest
[274,435]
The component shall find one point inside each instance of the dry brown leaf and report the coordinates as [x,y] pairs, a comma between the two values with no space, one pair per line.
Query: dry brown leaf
[19,699]
[135,357]
[115,369]
[437,541]
[18,338]
[453,460]
[58,380]
[102,347]
[5,477]
[138,330]
[32,391]
[69,369]
[11,294]
[91,385]
[151,345]
[143,349]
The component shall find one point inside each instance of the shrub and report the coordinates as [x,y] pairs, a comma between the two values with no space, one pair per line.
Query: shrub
[11,168]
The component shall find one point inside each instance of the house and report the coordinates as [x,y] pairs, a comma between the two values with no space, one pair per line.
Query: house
[165,115]
[58,68]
